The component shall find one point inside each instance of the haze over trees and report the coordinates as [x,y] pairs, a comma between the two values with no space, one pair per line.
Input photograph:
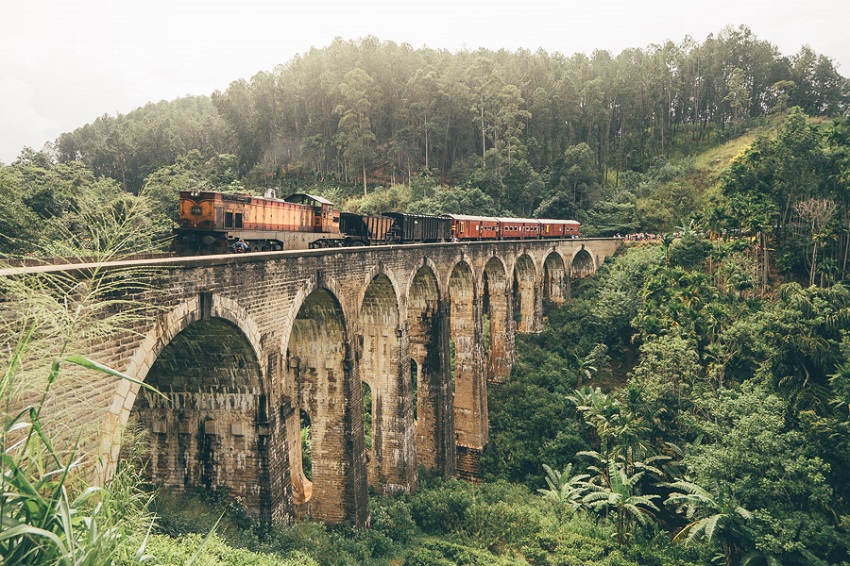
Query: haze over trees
[371,112]
[688,405]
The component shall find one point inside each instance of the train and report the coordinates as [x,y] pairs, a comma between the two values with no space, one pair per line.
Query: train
[212,222]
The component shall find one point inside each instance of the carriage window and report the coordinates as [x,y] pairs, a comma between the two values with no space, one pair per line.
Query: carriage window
[238,219]
[228,219]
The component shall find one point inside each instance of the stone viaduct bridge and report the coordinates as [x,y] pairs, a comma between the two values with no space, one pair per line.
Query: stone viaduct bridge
[250,349]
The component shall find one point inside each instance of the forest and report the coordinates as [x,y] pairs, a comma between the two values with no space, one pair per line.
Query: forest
[688,405]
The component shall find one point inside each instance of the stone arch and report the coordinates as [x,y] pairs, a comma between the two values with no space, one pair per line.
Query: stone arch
[497,328]
[524,295]
[470,390]
[318,281]
[397,286]
[165,328]
[555,282]
[582,264]
[391,466]
[319,378]
[211,430]
[427,331]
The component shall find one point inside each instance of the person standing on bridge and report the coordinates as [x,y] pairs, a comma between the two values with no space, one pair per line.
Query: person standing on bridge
[239,247]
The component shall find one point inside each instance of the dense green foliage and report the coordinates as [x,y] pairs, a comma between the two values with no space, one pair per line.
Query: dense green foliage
[603,139]
[64,210]
[528,129]
[50,512]
[794,189]
[729,408]
[689,405]
[444,523]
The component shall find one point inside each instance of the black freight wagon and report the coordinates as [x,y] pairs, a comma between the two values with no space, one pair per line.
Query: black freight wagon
[361,230]
[411,228]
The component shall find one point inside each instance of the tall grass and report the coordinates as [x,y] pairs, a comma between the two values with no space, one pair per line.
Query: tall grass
[50,511]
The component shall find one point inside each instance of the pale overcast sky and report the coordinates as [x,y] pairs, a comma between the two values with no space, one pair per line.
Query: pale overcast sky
[65,62]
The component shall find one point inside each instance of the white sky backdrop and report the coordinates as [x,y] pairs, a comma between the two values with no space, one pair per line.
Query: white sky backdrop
[65,62]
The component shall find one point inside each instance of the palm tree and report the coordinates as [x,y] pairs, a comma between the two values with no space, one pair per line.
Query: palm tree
[585,369]
[666,240]
[618,493]
[564,487]
[840,386]
[725,524]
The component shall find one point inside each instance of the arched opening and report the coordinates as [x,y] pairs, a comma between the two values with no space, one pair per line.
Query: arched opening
[582,265]
[392,464]
[524,299]
[414,387]
[367,416]
[428,340]
[318,381]
[486,340]
[555,286]
[210,431]
[307,447]
[470,391]
[495,321]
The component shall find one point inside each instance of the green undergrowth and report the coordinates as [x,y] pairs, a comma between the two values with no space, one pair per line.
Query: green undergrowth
[445,522]
[213,551]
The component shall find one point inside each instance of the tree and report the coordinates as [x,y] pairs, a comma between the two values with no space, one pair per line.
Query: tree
[818,212]
[565,487]
[485,81]
[738,95]
[576,178]
[754,457]
[723,522]
[421,98]
[617,491]
[456,201]
[356,136]
[510,121]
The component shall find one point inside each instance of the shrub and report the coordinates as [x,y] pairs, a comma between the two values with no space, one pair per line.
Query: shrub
[392,517]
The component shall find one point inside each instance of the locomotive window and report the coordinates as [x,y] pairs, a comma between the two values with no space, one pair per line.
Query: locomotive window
[196,210]
[228,219]
[238,219]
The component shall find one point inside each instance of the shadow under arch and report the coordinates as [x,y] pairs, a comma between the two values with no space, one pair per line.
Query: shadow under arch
[164,330]
[497,327]
[524,296]
[582,264]
[391,466]
[555,281]
[210,431]
[318,378]
[428,346]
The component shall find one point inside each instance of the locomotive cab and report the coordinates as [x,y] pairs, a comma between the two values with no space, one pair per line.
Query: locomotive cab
[325,216]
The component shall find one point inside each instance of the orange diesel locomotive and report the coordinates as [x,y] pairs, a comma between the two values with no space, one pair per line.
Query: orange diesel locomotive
[211,222]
